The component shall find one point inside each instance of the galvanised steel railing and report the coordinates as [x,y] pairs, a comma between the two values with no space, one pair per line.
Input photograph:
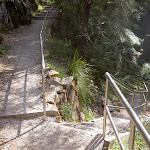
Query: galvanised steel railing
[45,30]
[134,120]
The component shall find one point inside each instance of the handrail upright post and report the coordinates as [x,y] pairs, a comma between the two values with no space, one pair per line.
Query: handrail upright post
[146,100]
[132,128]
[132,100]
[132,135]
[44,102]
[105,103]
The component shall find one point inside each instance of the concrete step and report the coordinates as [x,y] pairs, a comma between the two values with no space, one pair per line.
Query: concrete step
[47,136]
[42,17]
[80,126]
[122,125]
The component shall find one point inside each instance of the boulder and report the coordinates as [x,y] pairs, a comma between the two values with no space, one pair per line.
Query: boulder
[52,73]
[52,97]
[5,18]
[19,12]
[67,81]
[65,91]
[33,5]
[55,81]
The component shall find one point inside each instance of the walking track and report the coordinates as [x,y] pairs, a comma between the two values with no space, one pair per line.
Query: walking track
[20,80]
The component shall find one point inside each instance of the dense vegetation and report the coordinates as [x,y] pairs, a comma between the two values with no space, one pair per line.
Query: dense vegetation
[104,33]
[107,34]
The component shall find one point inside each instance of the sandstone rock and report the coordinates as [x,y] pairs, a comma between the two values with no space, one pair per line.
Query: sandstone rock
[52,73]
[64,92]
[58,119]
[55,81]
[52,97]
[82,116]
[66,81]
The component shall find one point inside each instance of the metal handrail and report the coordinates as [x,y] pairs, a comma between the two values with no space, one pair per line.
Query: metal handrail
[42,40]
[135,121]
[128,88]
[133,92]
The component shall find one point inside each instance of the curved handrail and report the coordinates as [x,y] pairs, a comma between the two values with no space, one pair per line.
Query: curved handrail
[136,121]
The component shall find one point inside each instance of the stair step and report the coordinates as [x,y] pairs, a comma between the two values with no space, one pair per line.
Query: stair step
[41,18]
[47,135]
[83,127]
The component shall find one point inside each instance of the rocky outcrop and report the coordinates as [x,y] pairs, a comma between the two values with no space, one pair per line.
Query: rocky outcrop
[33,5]
[20,13]
[17,12]
[61,93]
[4,15]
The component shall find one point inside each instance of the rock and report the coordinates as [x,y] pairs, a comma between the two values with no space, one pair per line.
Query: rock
[55,81]
[52,73]
[19,12]
[33,5]
[64,92]
[4,15]
[66,81]
[51,97]
[58,119]
[82,116]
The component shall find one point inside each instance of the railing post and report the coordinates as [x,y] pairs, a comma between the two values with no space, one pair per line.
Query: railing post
[132,128]
[146,101]
[132,135]
[44,103]
[132,100]
[105,103]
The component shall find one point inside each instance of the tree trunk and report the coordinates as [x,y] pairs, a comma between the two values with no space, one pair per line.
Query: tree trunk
[85,36]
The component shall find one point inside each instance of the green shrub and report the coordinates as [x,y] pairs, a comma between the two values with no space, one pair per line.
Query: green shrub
[139,143]
[83,72]
[3,49]
[67,111]
[145,71]
[61,48]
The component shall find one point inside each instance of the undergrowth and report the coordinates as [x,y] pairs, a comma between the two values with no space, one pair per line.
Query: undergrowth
[83,72]
[3,49]
[139,143]
[67,111]
[67,62]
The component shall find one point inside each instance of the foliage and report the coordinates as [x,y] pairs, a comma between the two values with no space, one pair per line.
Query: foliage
[145,71]
[117,147]
[66,62]
[62,70]
[103,32]
[3,49]
[88,114]
[4,29]
[83,72]
[60,47]
[139,143]
[67,111]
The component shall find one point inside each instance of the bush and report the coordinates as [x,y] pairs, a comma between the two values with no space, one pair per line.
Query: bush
[145,71]
[82,71]
[67,111]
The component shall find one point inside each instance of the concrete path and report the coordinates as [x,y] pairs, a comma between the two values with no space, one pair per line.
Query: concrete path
[20,81]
